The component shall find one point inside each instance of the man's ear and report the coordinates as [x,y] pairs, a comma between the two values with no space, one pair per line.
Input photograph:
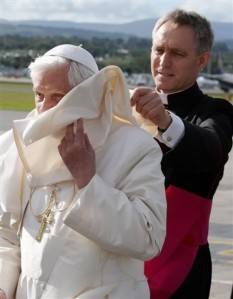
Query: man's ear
[203,60]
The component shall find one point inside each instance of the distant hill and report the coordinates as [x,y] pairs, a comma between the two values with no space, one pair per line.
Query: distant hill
[29,30]
[141,28]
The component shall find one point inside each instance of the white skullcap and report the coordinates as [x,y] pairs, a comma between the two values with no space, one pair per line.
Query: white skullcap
[75,53]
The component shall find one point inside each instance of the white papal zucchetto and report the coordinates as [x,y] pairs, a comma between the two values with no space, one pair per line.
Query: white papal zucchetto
[75,53]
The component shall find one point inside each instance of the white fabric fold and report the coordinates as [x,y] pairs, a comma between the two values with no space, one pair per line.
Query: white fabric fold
[97,100]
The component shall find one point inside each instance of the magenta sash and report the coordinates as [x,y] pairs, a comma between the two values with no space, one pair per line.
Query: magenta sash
[187,228]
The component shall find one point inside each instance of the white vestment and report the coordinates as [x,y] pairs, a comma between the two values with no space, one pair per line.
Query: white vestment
[96,244]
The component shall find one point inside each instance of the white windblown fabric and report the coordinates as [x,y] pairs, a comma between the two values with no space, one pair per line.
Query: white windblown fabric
[96,100]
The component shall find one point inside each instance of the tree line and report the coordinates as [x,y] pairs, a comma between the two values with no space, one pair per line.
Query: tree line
[132,55]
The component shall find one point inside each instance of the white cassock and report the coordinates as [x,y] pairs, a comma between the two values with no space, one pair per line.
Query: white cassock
[98,237]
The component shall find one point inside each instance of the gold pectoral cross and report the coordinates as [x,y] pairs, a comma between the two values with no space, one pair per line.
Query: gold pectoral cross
[46,217]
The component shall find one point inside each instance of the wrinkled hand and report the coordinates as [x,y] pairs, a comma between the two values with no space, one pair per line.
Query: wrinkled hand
[148,103]
[2,294]
[78,154]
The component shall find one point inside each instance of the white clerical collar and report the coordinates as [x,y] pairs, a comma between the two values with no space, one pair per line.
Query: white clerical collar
[163,96]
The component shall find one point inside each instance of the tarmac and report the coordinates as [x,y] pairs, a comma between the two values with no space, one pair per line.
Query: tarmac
[221,236]
[220,228]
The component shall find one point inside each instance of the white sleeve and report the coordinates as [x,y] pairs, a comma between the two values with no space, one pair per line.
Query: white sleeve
[129,219]
[174,132]
[9,256]
[10,208]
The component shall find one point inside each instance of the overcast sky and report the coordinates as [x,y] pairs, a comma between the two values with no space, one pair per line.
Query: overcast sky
[108,11]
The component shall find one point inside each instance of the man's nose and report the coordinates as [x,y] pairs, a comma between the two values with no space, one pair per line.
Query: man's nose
[48,103]
[165,59]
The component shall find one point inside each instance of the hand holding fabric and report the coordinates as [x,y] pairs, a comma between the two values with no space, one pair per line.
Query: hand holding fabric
[148,103]
[78,154]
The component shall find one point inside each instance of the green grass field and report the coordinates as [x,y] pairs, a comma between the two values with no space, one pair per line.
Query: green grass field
[19,96]
[16,96]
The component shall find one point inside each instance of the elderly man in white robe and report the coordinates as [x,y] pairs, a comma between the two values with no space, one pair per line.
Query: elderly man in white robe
[81,188]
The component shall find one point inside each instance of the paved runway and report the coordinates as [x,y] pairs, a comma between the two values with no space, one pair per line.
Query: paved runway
[221,235]
[221,223]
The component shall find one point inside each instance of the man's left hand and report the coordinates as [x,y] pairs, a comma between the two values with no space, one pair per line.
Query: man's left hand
[78,154]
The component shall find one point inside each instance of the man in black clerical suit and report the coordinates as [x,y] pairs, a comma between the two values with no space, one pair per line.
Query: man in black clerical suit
[195,132]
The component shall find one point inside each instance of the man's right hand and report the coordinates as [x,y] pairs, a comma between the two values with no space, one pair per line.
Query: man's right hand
[148,103]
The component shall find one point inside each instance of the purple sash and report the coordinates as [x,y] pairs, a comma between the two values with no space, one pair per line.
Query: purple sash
[187,228]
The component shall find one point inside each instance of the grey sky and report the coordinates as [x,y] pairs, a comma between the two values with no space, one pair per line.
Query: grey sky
[110,11]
